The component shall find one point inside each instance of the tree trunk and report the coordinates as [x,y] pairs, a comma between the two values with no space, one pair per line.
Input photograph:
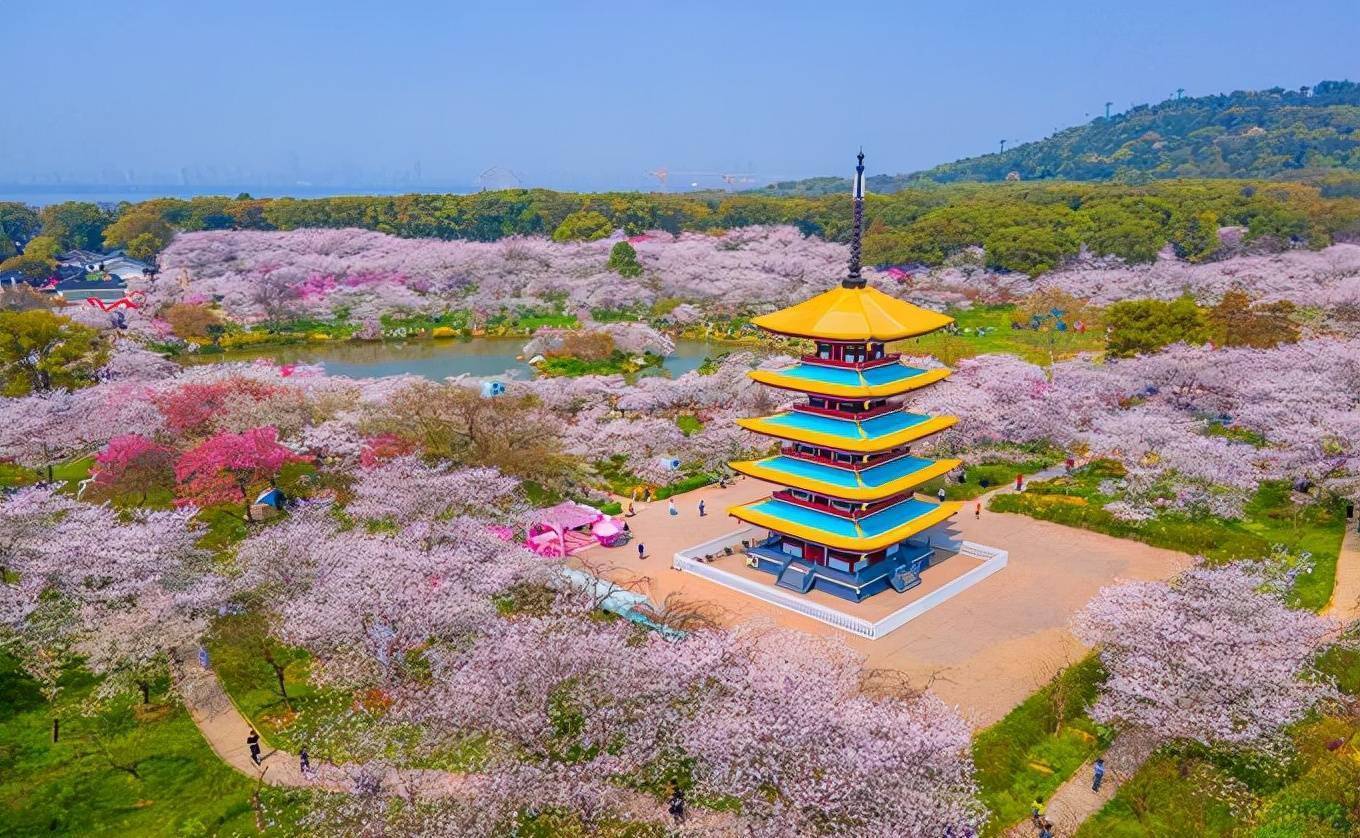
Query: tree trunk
[146,691]
[56,728]
[283,687]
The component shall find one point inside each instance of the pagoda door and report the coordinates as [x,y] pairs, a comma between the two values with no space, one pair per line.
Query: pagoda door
[815,553]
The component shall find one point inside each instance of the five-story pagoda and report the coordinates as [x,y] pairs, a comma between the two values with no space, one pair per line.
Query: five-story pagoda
[847,521]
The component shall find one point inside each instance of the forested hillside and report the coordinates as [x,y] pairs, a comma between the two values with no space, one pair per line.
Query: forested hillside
[1276,133]
[1026,227]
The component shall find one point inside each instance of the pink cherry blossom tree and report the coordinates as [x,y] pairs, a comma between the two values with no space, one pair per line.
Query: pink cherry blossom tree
[228,468]
[1213,656]
[133,464]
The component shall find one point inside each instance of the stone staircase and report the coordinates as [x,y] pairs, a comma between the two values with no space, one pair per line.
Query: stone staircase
[796,575]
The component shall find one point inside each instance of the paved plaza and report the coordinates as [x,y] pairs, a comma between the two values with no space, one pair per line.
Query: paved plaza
[985,650]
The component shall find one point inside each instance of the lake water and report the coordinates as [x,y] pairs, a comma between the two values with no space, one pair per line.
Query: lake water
[437,359]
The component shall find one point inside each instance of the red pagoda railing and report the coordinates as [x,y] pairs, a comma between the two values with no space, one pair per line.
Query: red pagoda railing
[890,358]
[882,458]
[848,414]
[851,514]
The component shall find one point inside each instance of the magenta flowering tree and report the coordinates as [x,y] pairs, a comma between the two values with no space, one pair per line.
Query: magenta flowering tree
[1213,656]
[228,468]
[133,464]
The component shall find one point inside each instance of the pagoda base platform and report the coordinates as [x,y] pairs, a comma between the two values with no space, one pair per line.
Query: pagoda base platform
[726,561]
[900,573]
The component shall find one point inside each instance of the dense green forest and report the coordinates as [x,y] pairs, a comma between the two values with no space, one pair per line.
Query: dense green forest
[1029,227]
[1276,133]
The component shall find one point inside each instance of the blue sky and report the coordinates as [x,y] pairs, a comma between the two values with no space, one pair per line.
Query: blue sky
[596,94]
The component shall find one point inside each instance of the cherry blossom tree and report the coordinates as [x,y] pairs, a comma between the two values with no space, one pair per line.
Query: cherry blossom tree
[133,464]
[228,468]
[1213,656]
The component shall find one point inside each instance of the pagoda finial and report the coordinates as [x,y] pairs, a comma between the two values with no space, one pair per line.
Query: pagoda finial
[853,279]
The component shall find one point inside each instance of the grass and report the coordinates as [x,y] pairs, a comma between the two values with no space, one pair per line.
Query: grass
[1270,518]
[69,473]
[1041,348]
[1181,791]
[983,477]
[70,787]
[1038,745]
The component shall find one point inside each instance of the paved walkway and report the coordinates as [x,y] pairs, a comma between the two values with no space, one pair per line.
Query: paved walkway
[1074,801]
[226,729]
[985,650]
[1345,602]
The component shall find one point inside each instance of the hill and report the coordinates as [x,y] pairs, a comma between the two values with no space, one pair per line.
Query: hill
[1273,134]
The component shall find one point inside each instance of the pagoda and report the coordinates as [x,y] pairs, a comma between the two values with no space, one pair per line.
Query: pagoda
[846,520]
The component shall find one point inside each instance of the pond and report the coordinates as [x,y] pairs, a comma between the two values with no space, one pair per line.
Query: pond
[435,359]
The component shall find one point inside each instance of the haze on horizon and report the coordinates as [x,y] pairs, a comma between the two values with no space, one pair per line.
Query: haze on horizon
[428,95]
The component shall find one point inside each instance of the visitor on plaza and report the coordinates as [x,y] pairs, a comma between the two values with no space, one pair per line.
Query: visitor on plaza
[670,506]
[701,509]
[1098,774]
[253,740]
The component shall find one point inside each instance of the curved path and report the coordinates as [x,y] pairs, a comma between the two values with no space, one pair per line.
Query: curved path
[1345,602]
[225,728]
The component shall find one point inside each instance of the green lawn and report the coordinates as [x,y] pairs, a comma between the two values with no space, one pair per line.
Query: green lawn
[1036,347]
[70,473]
[71,788]
[1038,745]
[1270,518]
[986,476]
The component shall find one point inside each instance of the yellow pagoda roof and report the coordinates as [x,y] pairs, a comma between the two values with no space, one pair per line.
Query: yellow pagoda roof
[863,485]
[868,436]
[853,314]
[877,383]
[873,532]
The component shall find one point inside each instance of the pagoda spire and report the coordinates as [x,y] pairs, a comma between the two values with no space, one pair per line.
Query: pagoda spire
[854,280]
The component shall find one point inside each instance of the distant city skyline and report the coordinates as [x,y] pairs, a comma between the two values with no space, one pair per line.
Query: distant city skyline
[425,96]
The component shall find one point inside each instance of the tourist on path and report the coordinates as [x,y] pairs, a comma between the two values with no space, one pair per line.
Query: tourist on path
[940,494]
[670,506]
[677,805]
[1019,482]
[977,511]
[701,509]
[1036,811]
[642,551]
[253,740]
[304,762]
[1045,829]
[631,510]
[1098,774]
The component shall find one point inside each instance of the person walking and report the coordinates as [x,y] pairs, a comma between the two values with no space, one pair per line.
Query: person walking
[1098,774]
[1019,482]
[677,805]
[977,511]
[253,740]
[940,494]
[670,507]
[1045,828]
[631,511]
[1037,810]
[701,509]
[304,762]
[642,551]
